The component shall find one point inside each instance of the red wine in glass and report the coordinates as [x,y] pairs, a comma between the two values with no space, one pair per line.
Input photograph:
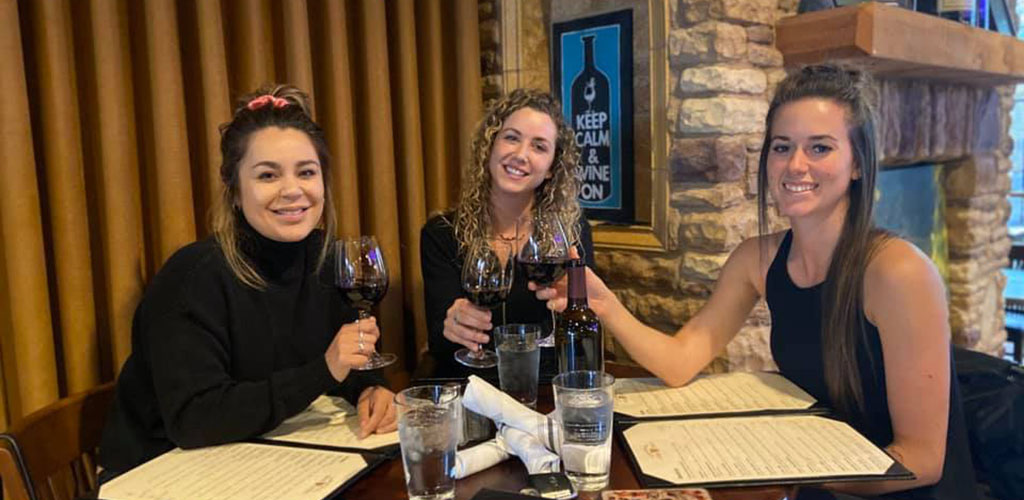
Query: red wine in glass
[362,276]
[490,299]
[486,279]
[545,271]
[364,296]
[543,256]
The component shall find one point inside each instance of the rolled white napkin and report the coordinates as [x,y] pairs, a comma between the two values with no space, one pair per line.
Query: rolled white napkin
[537,458]
[490,402]
[480,457]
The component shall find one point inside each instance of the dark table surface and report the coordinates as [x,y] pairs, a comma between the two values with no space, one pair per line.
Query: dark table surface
[387,481]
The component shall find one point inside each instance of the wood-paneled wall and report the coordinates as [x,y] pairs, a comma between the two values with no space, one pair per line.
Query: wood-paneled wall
[110,144]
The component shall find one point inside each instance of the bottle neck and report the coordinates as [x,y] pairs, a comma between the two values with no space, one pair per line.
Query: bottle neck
[588,51]
[577,292]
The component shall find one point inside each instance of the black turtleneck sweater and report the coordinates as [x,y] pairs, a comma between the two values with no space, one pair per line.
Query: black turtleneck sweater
[215,361]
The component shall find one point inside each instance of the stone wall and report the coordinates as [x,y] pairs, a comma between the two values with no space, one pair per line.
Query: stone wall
[489,14]
[514,45]
[977,209]
[723,67]
[966,131]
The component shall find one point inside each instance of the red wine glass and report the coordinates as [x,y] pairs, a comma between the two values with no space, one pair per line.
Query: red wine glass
[362,277]
[486,279]
[543,256]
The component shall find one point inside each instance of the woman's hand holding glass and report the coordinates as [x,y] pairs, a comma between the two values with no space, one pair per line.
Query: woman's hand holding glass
[599,297]
[466,323]
[352,346]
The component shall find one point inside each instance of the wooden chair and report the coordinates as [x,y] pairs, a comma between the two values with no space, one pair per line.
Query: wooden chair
[50,454]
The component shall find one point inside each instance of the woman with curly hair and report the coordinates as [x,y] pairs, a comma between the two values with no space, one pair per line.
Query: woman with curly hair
[523,162]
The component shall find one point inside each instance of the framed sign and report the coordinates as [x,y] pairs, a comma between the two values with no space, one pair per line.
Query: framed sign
[592,75]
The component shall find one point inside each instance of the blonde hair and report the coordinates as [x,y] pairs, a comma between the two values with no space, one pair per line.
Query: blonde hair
[287,107]
[555,195]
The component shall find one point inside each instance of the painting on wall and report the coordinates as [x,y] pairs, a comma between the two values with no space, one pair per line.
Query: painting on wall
[592,75]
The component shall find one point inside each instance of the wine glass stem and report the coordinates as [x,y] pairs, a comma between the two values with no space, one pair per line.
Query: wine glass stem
[365,314]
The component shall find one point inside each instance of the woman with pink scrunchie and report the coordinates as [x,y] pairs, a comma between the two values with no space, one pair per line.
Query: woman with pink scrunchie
[243,329]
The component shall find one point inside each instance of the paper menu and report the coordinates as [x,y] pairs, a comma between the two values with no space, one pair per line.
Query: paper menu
[238,471]
[329,421]
[753,449]
[736,392]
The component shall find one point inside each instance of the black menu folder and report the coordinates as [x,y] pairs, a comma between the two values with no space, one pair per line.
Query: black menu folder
[740,429]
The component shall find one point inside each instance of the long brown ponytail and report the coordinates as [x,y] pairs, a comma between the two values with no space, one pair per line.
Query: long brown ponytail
[842,321]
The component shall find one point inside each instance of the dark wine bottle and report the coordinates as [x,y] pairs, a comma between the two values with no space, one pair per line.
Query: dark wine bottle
[981,14]
[578,335]
[930,7]
[591,120]
[962,11]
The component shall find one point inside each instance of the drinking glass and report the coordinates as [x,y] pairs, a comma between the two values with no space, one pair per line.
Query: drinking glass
[583,408]
[518,361]
[363,277]
[428,432]
[486,279]
[543,256]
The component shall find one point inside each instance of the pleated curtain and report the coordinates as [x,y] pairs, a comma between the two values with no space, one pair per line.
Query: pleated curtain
[109,115]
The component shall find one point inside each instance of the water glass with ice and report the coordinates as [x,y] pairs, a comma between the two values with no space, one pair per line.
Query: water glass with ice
[428,430]
[583,408]
[518,361]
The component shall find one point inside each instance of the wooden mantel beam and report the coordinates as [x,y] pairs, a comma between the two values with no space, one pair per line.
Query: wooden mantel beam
[901,43]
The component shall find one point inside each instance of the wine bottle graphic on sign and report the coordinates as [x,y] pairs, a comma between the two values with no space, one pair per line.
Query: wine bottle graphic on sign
[591,120]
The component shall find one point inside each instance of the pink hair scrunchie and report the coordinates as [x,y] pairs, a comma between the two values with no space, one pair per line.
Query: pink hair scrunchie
[265,99]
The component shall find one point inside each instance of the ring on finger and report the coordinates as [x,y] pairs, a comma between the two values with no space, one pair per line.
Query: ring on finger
[361,344]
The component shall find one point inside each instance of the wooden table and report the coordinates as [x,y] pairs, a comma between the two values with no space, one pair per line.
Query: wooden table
[387,481]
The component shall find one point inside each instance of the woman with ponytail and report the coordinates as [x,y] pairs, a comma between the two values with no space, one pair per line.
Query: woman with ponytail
[859,317]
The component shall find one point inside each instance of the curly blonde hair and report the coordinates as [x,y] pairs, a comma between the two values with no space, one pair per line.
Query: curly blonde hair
[234,143]
[555,195]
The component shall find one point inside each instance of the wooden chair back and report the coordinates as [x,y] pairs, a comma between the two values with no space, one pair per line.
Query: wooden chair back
[50,454]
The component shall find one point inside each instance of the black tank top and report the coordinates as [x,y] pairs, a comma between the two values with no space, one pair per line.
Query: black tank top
[796,344]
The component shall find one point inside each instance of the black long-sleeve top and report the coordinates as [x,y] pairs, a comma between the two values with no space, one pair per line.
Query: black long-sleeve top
[214,360]
[442,273]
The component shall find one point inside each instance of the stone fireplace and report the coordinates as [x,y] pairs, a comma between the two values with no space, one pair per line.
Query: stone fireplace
[723,65]
[964,131]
